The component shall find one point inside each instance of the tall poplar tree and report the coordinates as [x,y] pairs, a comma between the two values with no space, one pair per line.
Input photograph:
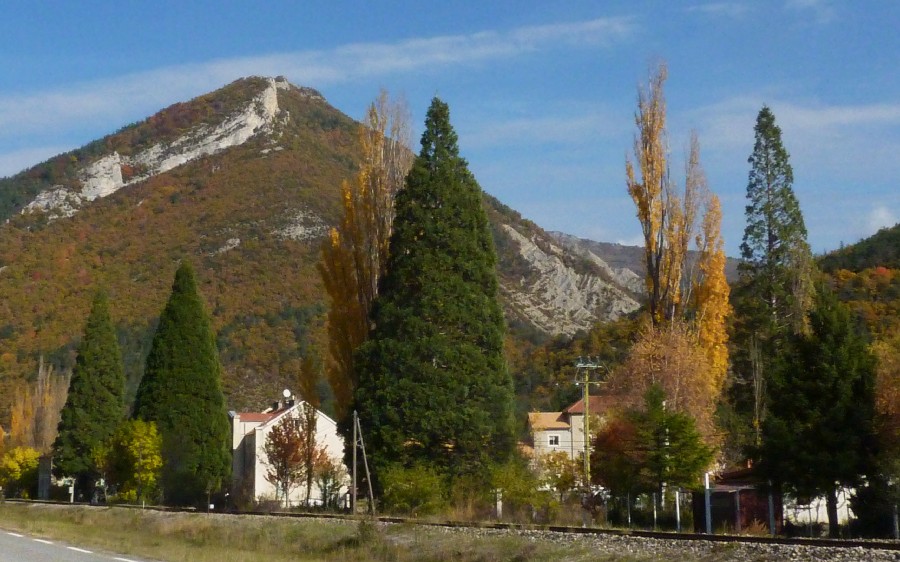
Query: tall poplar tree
[433,385]
[355,253]
[95,404]
[681,291]
[181,391]
[819,433]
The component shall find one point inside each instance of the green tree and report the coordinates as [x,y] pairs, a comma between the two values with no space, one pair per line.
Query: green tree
[95,404]
[775,288]
[433,385]
[648,450]
[777,265]
[819,434]
[181,391]
[675,452]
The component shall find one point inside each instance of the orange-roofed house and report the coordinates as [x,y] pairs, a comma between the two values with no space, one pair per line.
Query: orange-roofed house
[564,431]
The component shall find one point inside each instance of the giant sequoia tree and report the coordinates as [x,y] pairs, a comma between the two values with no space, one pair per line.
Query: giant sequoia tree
[433,385]
[776,261]
[181,391]
[96,401]
[775,290]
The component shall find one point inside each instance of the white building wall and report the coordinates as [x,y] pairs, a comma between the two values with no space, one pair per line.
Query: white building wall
[816,511]
[253,460]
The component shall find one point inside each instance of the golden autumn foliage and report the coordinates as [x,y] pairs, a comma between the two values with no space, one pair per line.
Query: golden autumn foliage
[688,298]
[34,412]
[648,194]
[887,393]
[711,294]
[671,357]
[354,255]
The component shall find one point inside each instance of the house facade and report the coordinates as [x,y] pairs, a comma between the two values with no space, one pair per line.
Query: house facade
[249,463]
[564,431]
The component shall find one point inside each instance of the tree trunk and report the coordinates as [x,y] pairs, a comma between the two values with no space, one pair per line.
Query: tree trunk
[831,508]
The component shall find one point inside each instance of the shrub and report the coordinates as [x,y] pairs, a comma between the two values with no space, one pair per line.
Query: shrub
[19,472]
[416,491]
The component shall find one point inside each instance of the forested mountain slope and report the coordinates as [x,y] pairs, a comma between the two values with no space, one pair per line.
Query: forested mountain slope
[244,182]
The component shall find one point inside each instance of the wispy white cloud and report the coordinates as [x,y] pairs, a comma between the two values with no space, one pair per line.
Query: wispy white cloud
[820,11]
[150,90]
[729,124]
[720,9]
[880,217]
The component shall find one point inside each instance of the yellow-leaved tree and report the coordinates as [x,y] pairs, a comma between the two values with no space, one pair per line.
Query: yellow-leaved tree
[355,253]
[710,294]
[683,349]
[34,412]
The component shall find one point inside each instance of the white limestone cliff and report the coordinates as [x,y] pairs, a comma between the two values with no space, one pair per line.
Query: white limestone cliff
[559,300]
[103,177]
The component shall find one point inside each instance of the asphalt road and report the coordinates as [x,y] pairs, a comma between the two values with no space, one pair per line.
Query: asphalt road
[15,547]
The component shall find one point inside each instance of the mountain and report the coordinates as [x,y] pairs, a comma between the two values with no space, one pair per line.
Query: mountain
[627,262]
[243,181]
[882,249]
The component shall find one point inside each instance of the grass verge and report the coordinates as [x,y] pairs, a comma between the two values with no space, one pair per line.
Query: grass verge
[177,537]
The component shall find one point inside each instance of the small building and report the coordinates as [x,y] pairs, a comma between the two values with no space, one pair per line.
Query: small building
[737,503]
[249,463]
[564,431]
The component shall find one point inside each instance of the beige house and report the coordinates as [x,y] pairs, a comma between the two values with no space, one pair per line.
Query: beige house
[249,463]
[564,431]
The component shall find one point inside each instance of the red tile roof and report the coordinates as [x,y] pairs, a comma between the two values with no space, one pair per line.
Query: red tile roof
[599,405]
[257,416]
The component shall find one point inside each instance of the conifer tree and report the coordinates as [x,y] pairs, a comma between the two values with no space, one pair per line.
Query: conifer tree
[433,386]
[775,290]
[181,391]
[819,433]
[776,267]
[95,404]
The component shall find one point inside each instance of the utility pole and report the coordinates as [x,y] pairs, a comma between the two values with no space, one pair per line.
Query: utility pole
[583,369]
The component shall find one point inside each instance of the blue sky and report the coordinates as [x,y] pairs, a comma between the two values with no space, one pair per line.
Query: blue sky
[541,93]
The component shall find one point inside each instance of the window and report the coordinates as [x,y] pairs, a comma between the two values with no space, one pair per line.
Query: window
[553,441]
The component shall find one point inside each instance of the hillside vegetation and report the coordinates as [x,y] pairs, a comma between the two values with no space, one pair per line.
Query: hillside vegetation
[251,218]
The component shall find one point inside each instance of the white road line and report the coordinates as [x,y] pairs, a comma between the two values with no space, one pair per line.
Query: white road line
[76,549]
[42,541]
[14,534]
[123,559]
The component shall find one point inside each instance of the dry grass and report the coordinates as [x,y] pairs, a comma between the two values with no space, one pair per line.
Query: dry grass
[177,537]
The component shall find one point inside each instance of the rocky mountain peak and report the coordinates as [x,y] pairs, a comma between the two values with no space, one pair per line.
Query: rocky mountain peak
[112,171]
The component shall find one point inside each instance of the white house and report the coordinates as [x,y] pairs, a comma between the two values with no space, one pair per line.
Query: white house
[564,431]
[249,466]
